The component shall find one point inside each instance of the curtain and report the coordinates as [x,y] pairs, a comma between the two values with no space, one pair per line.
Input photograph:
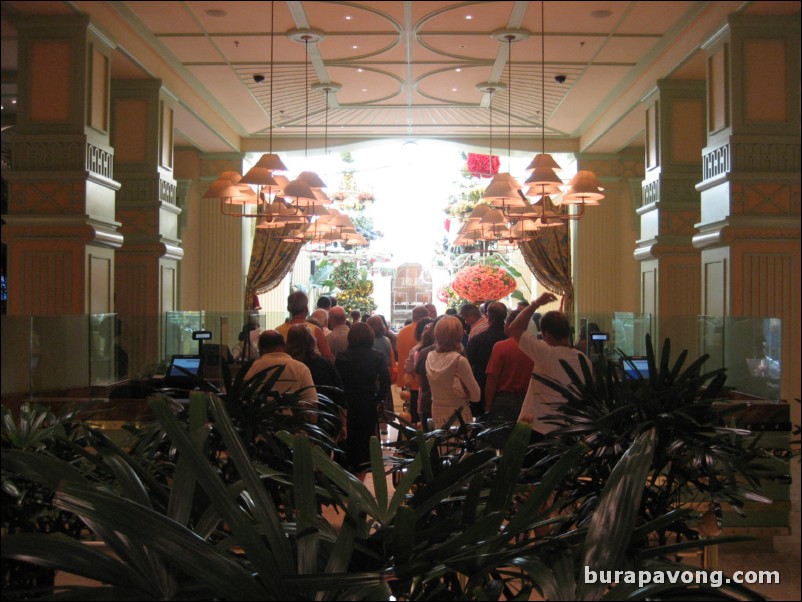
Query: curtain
[271,260]
[549,259]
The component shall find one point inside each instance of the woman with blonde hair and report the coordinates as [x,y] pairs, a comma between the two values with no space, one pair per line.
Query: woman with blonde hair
[449,373]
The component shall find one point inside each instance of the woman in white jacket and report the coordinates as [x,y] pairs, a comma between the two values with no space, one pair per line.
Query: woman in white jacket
[442,365]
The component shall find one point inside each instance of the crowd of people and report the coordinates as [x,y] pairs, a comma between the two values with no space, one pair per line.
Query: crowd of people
[477,362]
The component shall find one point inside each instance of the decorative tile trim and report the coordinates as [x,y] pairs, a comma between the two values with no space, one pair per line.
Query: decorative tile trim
[772,157]
[716,162]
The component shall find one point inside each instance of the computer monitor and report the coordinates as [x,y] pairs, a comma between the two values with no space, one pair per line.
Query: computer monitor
[178,379]
[636,367]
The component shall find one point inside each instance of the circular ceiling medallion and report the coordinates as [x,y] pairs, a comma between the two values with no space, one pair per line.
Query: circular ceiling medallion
[306,36]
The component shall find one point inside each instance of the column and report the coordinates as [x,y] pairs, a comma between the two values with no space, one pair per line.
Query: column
[749,231]
[146,283]
[61,229]
[669,263]
[213,274]
[607,282]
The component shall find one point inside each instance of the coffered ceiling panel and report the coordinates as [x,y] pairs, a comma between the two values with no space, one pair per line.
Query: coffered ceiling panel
[402,68]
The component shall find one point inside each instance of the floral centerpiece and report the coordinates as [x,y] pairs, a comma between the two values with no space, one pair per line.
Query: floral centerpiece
[479,283]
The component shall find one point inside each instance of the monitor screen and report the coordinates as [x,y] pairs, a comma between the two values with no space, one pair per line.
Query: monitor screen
[636,367]
[190,363]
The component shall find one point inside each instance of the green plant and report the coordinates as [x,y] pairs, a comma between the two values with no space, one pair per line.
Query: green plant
[257,413]
[696,457]
[468,530]
[27,505]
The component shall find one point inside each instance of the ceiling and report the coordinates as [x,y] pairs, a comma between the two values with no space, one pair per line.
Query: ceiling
[401,69]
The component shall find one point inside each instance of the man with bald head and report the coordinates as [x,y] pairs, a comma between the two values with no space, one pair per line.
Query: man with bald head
[321,318]
[338,337]
[295,376]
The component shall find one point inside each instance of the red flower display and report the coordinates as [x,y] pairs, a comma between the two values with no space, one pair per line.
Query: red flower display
[479,283]
[482,166]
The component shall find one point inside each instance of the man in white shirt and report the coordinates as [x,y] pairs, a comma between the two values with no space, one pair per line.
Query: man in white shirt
[295,377]
[546,355]
[474,318]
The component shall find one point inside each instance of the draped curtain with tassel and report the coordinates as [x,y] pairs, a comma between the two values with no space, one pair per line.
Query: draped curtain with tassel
[549,259]
[271,260]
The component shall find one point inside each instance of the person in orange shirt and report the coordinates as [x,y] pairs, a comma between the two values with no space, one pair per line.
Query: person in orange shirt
[405,342]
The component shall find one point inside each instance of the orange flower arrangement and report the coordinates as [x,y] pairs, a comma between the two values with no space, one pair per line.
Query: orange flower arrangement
[479,283]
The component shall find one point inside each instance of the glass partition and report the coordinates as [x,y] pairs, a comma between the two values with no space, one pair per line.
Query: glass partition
[602,336]
[44,356]
[749,348]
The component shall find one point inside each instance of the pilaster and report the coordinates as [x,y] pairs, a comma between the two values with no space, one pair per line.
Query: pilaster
[61,229]
[607,282]
[749,231]
[147,264]
[213,276]
[669,263]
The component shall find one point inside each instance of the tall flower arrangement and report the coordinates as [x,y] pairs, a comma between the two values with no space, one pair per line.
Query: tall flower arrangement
[479,283]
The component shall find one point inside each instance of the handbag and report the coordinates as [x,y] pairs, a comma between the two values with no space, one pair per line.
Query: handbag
[458,387]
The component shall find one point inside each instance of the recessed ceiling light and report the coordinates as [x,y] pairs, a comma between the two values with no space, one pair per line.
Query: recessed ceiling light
[364,89]
[348,17]
[453,89]
[462,46]
[360,70]
[354,46]
[458,70]
[468,17]
[216,12]
[601,14]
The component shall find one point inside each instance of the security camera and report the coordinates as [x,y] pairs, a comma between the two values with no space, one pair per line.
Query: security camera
[258,78]
[560,79]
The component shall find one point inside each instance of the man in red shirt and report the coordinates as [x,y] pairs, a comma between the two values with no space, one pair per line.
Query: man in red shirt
[509,371]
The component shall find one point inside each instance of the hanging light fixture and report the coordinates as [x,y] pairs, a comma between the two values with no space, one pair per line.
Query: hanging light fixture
[335,228]
[305,194]
[513,218]
[504,191]
[583,189]
[262,175]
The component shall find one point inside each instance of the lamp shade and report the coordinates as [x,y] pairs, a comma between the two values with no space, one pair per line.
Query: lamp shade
[542,190]
[259,176]
[298,192]
[478,212]
[543,176]
[584,189]
[226,179]
[355,240]
[238,194]
[311,179]
[503,190]
[543,160]
[494,217]
[271,162]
